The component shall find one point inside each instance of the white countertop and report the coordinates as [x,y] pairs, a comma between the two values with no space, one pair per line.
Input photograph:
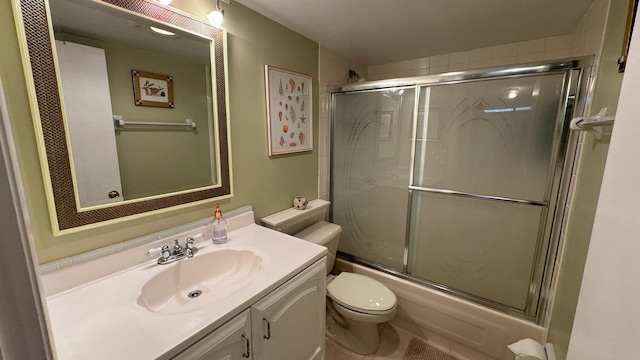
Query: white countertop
[101,319]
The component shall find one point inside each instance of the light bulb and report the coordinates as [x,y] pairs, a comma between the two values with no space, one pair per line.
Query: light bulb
[215,18]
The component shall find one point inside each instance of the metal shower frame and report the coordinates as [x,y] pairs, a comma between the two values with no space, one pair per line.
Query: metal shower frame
[574,101]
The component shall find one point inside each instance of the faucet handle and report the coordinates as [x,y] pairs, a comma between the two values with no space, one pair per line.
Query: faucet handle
[165,252]
[192,250]
[192,239]
[154,251]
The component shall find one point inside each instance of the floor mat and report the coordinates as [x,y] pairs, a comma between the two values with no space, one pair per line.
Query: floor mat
[420,350]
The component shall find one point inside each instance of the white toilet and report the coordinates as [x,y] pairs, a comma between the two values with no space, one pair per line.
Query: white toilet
[356,304]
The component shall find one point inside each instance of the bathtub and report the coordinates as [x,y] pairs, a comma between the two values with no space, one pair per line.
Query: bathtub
[468,331]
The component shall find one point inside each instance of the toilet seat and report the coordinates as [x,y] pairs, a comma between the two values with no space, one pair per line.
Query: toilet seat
[361,294]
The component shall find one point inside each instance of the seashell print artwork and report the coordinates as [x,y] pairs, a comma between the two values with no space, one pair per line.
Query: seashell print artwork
[292,112]
[293,85]
[288,97]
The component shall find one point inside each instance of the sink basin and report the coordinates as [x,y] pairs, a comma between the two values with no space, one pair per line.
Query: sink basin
[191,283]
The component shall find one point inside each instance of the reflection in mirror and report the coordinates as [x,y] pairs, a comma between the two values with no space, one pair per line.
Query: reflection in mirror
[97,49]
[168,145]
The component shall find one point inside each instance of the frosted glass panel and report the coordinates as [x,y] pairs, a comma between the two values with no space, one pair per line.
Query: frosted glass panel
[488,137]
[370,173]
[484,248]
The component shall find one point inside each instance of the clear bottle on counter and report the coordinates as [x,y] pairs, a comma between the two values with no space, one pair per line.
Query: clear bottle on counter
[218,227]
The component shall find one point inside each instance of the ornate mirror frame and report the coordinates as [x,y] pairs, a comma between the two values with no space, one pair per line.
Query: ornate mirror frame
[42,80]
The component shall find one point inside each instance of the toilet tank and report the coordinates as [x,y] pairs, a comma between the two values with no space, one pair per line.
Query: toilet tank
[308,224]
[325,234]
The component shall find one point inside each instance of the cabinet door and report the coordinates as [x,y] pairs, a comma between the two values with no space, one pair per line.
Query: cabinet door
[288,324]
[228,342]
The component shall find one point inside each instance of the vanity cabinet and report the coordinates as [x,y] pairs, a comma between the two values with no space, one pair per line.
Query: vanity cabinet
[229,341]
[286,324]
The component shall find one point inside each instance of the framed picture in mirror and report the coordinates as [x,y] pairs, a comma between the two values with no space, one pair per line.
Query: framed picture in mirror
[151,89]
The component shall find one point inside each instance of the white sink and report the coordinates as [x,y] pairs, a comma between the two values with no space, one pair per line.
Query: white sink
[127,301]
[205,278]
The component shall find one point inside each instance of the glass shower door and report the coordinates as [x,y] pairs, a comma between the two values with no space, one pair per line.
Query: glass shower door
[484,162]
[370,173]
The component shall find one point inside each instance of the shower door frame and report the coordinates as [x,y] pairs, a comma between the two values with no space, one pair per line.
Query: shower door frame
[573,102]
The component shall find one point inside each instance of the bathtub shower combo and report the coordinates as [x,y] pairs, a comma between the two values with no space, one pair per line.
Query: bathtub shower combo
[455,181]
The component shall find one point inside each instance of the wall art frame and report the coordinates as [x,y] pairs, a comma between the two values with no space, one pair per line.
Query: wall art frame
[289,111]
[151,89]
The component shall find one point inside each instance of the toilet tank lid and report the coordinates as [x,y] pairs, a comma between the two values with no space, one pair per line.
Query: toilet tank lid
[290,216]
[320,232]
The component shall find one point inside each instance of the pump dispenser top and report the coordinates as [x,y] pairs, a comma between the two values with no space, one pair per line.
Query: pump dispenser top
[218,227]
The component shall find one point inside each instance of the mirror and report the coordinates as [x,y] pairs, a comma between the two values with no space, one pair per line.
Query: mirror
[144,113]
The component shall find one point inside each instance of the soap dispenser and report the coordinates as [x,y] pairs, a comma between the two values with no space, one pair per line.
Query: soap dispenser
[218,227]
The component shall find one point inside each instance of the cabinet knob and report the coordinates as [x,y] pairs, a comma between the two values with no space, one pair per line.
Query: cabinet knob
[113,194]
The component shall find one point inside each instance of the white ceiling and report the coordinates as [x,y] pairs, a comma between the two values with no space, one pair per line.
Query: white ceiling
[375,32]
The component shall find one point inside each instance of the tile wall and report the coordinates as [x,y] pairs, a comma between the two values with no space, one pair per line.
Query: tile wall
[334,70]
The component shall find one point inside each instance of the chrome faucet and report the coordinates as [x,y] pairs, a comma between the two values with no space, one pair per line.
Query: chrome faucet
[178,252]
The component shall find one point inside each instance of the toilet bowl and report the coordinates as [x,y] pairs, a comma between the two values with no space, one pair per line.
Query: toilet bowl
[363,303]
[356,304]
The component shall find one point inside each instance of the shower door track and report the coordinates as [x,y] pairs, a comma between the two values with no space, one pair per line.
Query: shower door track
[559,181]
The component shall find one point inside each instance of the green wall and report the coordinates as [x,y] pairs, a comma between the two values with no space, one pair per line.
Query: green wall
[590,170]
[152,159]
[268,184]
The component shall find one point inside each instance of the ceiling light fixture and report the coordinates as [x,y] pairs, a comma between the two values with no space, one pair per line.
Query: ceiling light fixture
[161,31]
[158,31]
[165,2]
[216,17]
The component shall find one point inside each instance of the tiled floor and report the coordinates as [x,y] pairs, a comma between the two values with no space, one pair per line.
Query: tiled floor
[393,343]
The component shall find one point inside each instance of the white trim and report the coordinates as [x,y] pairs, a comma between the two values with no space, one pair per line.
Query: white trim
[24,333]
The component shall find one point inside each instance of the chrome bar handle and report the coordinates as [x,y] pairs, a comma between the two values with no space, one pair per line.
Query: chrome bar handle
[246,354]
[268,336]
